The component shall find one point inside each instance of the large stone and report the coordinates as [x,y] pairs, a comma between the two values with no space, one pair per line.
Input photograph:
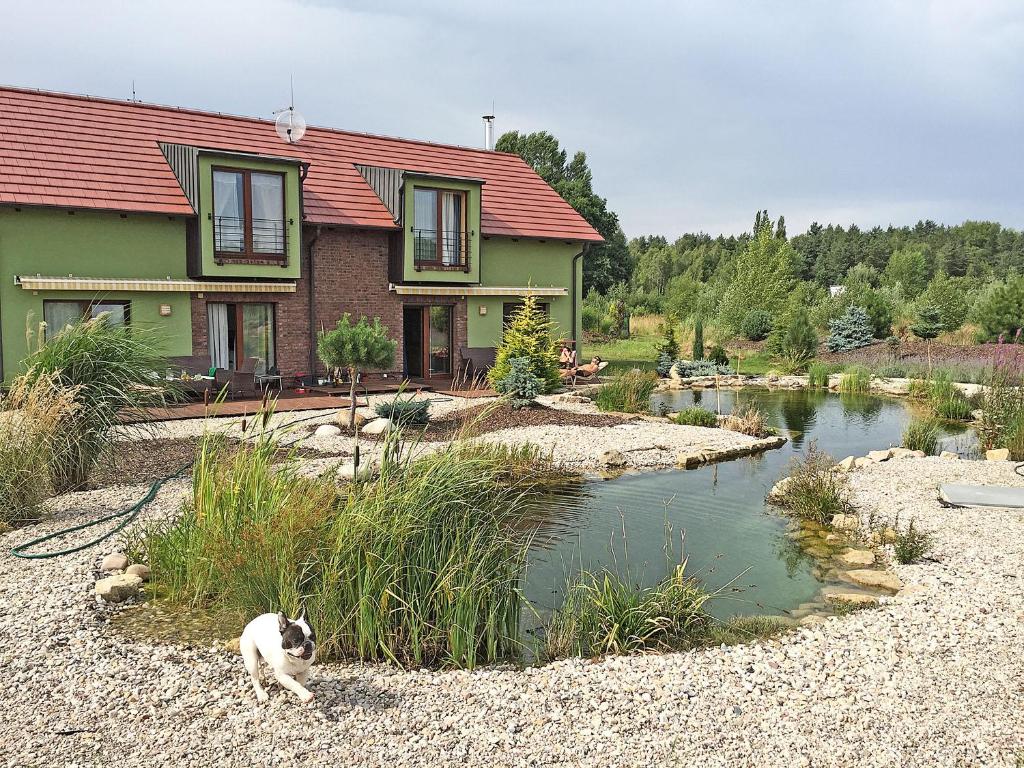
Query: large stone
[882,455]
[778,491]
[327,430]
[115,561]
[689,460]
[948,455]
[857,557]
[863,461]
[119,587]
[998,454]
[612,459]
[847,464]
[377,427]
[878,579]
[845,522]
[138,569]
[851,598]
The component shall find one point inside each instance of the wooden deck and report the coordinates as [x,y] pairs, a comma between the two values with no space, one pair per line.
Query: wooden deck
[287,402]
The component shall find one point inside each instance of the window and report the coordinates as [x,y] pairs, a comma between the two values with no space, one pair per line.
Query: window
[240,331]
[439,228]
[60,314]
[248,214]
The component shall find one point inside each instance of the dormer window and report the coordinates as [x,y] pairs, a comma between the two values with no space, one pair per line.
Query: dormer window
[439,229]
[248,215]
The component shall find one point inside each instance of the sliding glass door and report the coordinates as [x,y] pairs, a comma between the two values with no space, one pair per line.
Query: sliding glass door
[428,341]
[240,331]
[440,341]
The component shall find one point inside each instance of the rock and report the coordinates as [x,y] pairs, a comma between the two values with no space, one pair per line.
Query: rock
[377,427]
[846,464]
[810,621]
[862,461]
[851,598]
[327,430]
[119,587]
[115,561]
[948,455]
[363,419]
[233,645]
[138,569]
[612,459]
[871,578]
[845,522]
[689,460]
[883,455]
[857,557]
[778,491]
[998,454]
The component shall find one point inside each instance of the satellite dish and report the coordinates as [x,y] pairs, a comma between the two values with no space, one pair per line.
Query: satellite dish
[290,125]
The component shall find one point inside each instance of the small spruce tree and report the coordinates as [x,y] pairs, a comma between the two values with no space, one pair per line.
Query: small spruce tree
[357,347]
[850,331]
[799,342]
[528,335]
[668,348]
[698,339]
[927,326]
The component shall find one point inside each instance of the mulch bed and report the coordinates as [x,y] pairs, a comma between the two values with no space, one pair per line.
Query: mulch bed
[915,352]
[505,417]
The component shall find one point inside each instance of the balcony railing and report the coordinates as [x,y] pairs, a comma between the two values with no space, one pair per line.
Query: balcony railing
[440,250]
[269,237]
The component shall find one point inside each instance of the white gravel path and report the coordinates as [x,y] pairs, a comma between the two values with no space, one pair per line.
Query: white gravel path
[934,677]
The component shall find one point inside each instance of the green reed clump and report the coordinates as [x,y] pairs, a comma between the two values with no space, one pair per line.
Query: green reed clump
[695,416]
[604,613]
[629,392]
[420,565]
[817,376]
[814,490]
[922,435]
[947,400]
[856,379]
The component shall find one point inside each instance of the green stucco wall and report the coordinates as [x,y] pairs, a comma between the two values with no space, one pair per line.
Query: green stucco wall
[472,225]
[292,214]
[518,263]
[53,243]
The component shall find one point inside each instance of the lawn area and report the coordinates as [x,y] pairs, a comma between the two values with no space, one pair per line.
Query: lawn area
[641,352]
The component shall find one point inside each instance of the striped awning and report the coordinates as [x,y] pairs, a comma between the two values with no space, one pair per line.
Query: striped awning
[108,284]
[476,290]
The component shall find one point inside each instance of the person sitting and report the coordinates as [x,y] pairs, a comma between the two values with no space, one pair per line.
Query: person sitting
[590,369]
[567,358]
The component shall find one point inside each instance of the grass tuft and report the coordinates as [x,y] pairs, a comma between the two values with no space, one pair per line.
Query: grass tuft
[814,490]
[629,392]
[817,376]
[856,380]
[695,416]
[922,435]
[748,420]
[912,544]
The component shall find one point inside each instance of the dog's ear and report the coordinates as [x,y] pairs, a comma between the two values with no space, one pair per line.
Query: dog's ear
[282,622]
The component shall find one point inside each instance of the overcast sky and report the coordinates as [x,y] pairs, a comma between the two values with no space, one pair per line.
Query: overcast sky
[693,115]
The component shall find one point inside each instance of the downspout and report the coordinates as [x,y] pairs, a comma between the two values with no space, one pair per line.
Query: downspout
[312,308]
[575,329]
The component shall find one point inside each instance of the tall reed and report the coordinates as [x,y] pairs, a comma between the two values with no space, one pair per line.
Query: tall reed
[817,376]
[922,435]
[630,392]
[856,379]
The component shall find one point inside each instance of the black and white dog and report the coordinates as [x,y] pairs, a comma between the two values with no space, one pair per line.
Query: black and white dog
[289,647]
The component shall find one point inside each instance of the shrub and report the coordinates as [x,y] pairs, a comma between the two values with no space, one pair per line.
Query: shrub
[604,613]
[591,318]
[528,335]
[799,342]
[756,325]
[718,356]
[856,379]
[668,348]
[892,371]
[629,392]
[817,376]
[114,372]
[922,435]
[1002,413]
[814,490]
[912,544]
[689,369]
[748,420]
[405,412]
[357,347]
[698,340]
[520,386]
[30,417]
[851,331]
[950,295]
[421,565]
[1000,309]
[695,416]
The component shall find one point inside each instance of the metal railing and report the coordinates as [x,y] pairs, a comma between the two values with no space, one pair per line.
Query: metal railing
[444,249]
[269,236]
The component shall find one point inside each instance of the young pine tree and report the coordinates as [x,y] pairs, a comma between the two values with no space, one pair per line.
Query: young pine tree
[356,347]
[528,335]
[927,326]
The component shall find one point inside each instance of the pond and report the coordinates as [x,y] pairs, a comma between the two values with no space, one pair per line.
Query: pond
[715,516]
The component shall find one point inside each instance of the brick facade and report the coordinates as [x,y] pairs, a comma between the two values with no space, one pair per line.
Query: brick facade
[350,275]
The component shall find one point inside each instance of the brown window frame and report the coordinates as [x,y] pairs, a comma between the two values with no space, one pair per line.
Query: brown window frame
[238,311]
[86,305]
[249,255]
[438,261]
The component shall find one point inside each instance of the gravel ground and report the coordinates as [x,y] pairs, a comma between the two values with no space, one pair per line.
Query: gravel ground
[931,678]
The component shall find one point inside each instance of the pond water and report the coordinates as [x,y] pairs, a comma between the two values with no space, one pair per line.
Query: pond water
[715,516]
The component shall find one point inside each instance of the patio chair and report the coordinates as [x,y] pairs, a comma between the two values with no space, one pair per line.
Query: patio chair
[571,376]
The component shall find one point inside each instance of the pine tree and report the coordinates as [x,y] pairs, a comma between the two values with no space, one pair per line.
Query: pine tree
[927,326]
[356,347]
[528,335]
[698,340]
[799,342]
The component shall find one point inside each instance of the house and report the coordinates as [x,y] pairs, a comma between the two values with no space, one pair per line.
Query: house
[236,243]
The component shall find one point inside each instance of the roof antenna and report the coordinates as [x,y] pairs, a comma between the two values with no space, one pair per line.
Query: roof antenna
[133,91]
[489,129]
[290,124]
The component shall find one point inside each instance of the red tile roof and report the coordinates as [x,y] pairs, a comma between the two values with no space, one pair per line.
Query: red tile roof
[82,152]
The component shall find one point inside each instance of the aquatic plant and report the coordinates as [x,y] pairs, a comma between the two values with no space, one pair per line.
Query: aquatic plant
[817,376]
[855,380]
[629,392]
[922,435]
[814,490]
[748,419]
[695,416]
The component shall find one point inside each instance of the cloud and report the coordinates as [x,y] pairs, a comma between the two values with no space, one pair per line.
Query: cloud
[693,115]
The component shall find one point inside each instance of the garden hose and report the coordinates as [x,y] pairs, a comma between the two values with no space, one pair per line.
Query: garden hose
[128,514]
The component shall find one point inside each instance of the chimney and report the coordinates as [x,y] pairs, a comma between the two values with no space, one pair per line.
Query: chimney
[488,132]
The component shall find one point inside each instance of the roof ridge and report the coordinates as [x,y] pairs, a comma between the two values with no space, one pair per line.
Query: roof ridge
[248,118]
